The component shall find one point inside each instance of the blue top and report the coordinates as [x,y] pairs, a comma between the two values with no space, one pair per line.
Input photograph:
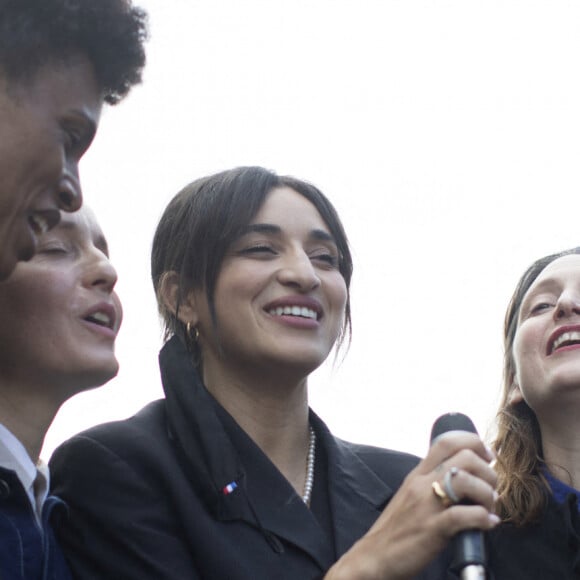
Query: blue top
[28,548]
[560,490]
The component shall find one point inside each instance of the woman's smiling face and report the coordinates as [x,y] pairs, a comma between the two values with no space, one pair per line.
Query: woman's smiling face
[60,314]
[546,348]
[280,298]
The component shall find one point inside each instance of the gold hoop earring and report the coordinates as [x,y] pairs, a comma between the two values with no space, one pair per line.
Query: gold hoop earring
[192,336]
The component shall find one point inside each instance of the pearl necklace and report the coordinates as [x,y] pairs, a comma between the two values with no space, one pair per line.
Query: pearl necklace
[306,495]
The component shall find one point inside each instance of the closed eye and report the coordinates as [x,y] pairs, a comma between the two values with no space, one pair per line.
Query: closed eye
[329,259]
[78,135]
[53,250]
[258,250]
[72,139]
[542,306]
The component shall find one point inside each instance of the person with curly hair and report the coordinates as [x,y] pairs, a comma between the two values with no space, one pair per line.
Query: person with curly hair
[538,436]
[60,60]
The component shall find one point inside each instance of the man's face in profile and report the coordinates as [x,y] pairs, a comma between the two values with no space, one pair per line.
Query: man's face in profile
[47,122]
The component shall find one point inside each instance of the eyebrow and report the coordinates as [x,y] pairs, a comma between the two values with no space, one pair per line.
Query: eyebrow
[545,284]
[264,228]
[64,225]
[99,242]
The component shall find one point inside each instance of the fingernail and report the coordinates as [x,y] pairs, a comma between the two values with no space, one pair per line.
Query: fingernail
[494,520]
[495,496]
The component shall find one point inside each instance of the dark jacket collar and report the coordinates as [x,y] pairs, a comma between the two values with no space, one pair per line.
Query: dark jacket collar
[209,457]
[357,495]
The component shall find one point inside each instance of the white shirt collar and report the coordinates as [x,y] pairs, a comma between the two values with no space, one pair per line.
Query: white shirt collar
[13,456]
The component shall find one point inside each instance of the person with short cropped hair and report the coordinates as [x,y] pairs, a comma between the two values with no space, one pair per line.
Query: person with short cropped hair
[60,318]
[60,60]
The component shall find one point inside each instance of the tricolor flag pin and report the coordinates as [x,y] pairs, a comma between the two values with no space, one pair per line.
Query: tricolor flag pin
[229,488]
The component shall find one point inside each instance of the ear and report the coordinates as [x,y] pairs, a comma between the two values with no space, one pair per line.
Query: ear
[169,294]
[515,395]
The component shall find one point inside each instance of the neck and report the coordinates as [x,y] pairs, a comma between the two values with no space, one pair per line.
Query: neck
[27,417]
[274,414]
[561,448]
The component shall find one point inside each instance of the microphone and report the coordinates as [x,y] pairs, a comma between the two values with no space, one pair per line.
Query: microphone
[468,546]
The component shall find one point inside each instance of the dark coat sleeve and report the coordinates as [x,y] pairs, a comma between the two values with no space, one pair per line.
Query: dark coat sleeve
[117,521]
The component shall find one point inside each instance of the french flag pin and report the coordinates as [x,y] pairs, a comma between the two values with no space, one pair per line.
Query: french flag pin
[229,488]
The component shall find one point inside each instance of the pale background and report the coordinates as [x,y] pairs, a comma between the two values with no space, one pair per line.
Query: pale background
[446,133]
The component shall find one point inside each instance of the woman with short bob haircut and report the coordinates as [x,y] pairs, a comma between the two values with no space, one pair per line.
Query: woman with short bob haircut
[60,319]
[232,475]
[197,218]
[537,425]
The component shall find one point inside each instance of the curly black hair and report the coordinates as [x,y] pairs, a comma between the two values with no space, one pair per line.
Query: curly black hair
[110,33]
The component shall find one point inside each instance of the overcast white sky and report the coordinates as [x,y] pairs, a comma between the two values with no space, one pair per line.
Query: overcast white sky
[447,134]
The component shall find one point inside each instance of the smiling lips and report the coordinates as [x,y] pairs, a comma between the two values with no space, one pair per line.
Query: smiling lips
[100,318]
[103,315]
[563,338]
[301,311]
[301,307]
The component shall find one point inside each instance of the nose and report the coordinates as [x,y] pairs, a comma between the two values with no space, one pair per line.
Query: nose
[298,271]
[100,273]
[568,305]
[69,196]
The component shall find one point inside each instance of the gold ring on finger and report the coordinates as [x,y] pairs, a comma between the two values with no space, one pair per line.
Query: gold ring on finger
[440,494]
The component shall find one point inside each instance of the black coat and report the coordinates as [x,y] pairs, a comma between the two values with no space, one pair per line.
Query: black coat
[147,503]
[546,550]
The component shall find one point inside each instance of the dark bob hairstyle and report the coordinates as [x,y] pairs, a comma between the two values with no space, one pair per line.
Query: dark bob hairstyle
[207,216]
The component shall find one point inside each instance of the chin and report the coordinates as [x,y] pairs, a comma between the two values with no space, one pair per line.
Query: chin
[304,363]
[93,377]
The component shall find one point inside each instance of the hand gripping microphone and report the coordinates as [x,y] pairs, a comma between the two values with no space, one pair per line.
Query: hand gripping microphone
[468,547]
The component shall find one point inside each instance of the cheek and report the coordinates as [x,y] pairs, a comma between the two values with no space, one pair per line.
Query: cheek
[34,298]
[235,288]
[337,293]
[519,352]
[528,339]
[527,352]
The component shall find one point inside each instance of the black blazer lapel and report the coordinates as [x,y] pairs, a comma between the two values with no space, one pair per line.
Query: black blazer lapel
[357,494]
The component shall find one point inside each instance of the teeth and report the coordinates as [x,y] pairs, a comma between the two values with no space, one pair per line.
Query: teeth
[301,311]
[39,224]
[102,318]
[573,336]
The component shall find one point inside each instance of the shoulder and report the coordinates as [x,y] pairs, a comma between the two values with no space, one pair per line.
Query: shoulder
[139,440]
[390,465]
[144,424]
[544,549]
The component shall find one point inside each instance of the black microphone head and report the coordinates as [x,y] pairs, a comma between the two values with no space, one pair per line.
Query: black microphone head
[452,422]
